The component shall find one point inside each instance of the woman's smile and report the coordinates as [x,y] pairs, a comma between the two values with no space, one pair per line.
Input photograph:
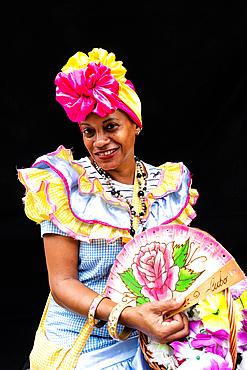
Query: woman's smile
[106,154]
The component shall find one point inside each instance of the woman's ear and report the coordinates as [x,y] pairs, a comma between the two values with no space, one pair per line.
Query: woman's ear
[138,130]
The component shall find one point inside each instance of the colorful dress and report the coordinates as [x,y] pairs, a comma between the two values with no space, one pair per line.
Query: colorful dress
[70,198]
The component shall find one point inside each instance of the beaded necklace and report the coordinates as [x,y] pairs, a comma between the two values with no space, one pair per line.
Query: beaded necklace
[138,206]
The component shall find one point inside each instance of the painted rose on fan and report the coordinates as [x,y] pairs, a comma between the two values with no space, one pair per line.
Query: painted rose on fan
[158,270]
[154,270]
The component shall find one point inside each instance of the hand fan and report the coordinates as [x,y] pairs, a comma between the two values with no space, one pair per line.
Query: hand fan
[168,261]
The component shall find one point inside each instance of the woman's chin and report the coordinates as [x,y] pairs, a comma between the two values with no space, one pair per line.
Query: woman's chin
[108,167]
[107,164]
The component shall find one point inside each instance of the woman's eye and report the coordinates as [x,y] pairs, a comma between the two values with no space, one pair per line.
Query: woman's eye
[111,126]
[87,131]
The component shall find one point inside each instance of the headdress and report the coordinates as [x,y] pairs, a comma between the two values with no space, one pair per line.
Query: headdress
[96,83]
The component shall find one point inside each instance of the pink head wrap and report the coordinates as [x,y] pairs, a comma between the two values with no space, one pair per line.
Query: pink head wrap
[96,83]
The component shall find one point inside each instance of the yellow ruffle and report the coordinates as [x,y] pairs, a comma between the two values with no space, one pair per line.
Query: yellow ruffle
[188,213]
[40,206]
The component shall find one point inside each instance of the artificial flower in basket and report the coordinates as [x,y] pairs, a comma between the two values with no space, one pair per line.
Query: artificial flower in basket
[207,346]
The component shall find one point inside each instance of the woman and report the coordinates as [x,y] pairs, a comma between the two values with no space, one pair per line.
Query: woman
[89,208]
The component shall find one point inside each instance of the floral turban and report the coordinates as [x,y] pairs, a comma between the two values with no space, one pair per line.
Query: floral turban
[96,83]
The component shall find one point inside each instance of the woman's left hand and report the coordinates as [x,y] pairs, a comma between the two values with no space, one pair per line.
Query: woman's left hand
[149,319]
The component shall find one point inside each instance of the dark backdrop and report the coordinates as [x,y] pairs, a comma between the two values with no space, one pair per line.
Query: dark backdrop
[187,60]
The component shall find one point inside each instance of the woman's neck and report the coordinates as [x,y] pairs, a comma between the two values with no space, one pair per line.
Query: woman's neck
[126,176]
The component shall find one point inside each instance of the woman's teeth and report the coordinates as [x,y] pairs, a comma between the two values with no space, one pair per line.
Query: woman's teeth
[107,153]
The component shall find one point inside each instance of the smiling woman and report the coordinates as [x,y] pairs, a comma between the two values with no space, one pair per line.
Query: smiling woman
[87,210]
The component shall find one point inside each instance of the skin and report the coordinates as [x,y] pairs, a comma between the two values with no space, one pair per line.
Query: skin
[101,135]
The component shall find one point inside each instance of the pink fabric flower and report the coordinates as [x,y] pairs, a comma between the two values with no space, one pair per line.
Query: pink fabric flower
[154,269]
[86,90]
[215,342]
[242,336]
[199,360]
[195,327]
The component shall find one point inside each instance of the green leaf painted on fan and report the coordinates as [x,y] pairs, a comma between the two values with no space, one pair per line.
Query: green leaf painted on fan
[130,281]
[133,285]
[141,300]
[180,254]
[186,279]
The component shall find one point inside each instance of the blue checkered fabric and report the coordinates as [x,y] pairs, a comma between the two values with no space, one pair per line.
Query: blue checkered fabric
[95,261]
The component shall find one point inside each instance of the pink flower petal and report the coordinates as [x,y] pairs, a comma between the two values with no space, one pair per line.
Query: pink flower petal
[164,293]
[151,294]
[159,264]
[158,283]
[168,256]
[141,278]
[172,278]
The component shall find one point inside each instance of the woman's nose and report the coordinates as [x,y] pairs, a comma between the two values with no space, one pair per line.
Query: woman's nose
[101,139]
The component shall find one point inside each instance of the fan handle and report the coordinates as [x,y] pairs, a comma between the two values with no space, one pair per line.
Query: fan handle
[226,276]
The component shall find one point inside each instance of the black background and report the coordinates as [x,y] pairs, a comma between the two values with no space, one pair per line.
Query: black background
[187,60]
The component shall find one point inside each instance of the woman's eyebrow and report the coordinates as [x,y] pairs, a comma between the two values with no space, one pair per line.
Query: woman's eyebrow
[83,123]
[110,119]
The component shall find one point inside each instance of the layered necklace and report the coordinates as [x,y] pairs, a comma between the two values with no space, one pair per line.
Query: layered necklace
[137,207]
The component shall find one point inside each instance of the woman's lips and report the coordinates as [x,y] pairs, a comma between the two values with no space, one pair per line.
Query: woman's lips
[106,154]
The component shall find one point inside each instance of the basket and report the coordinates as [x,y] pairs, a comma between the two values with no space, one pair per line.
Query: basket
[148,354]
[232,340]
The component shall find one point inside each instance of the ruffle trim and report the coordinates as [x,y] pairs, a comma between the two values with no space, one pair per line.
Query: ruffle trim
[58,189]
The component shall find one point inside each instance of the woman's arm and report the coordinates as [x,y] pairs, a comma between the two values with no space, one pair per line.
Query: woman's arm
[62,264]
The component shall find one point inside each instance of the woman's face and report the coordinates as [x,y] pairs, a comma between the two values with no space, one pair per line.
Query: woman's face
[110,140]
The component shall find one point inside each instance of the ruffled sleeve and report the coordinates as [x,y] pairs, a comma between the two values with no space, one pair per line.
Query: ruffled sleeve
[58,189]
[173,199]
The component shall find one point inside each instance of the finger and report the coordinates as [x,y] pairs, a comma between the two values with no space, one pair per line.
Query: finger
[179,329]
[186,323]
[172,304]
[173,324]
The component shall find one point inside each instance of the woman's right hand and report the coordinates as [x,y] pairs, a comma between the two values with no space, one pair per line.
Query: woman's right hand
[149,319]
